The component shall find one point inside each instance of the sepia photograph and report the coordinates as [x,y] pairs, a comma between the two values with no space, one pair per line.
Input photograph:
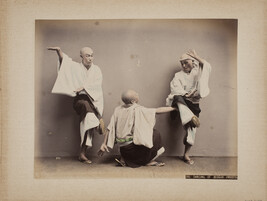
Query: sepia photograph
[133,100]
[129,65]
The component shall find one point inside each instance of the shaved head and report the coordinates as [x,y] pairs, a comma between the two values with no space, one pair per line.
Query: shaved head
[87,56]
[86,50]
[130,96]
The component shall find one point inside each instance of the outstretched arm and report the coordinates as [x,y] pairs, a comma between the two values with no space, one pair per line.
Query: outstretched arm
[161,110]
[59,53]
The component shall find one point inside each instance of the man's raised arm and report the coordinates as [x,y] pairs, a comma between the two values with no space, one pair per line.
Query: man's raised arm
[59,53]
[193,54]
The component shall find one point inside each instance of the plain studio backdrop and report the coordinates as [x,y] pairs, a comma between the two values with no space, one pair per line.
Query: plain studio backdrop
[142,55]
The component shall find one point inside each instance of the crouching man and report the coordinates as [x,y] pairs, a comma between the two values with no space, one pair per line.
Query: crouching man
[132,127]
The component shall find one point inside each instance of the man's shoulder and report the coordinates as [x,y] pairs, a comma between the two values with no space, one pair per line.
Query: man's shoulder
[179,74]
[96,67]
[145,110]
[140,107]
[118,108]
[66,58]
[129,108]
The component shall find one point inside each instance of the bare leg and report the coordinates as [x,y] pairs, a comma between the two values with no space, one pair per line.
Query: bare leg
[155,163]
[186,151]
[121,161]
[186,154]
[82,156]
[160,151]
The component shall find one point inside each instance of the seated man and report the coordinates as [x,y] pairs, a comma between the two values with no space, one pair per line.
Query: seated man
[131,126]
[187,88]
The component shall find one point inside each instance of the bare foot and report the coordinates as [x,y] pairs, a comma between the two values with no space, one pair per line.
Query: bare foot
[155,163]
[84,159]
[121,162]
[188,160]
[195,121]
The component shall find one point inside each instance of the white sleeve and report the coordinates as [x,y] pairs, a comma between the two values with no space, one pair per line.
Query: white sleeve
[176,89]
[93,84]
[176,86]
[145,119]
[203,82]
[112,131]
[67,73]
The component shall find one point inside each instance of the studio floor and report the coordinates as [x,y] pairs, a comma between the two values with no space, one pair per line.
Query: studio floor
[106,167]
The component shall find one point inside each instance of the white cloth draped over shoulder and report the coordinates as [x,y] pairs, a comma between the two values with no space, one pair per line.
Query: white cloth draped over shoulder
[183,83]
[72,76]
[136,121]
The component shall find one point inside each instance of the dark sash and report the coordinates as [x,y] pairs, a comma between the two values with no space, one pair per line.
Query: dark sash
[82,104]
[194,107]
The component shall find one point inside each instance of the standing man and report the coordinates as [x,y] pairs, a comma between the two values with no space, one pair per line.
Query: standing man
[187,88]
[84,82]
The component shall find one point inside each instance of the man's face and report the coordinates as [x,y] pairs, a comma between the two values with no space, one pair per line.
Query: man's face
[187,65]
[136,98]
[87,57]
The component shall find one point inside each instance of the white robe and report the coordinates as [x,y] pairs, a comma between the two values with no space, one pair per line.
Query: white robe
[197,79]
[135,121]
[73,75]
[183,83]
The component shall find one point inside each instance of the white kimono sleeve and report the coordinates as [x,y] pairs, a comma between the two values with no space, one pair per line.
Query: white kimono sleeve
[203,82]
[93,83]
[68,78]
[145,119]
[112,131]
[176,89]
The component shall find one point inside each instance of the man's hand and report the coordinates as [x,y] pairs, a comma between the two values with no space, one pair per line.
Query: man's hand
[102,150]
[78,90]
[192,53]
[191,93]
[188,95]
[59,53]
[102,126]
[54,48]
